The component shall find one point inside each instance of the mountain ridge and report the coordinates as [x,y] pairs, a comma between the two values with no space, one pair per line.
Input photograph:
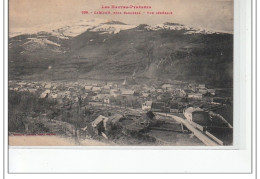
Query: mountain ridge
[106,53]
[55,28]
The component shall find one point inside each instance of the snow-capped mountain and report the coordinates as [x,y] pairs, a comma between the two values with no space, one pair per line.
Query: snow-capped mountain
[176,26]
[65,30]
[105,50]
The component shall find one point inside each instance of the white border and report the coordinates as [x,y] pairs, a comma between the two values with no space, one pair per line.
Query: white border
[172,161]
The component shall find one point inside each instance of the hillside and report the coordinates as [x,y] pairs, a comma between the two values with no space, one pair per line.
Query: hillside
[114,50]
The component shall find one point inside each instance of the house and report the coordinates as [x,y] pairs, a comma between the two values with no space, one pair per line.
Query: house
[152,89]
[127,92]
[212,91]
[182,93]
[53,95]
[114,93]
[203,91]
[167,87]
[145,95]
[107,87]
[147,88]
[67,93]
[32,90]
[21,83]
[110,84]
[47,86]
[174,108]
[197,115]
[88,88]
[45,94]
[95,98]
[188,91]
[202,86]
[147,106]
[75,99]
[84,96]
[150,115]
[96,89]
[159,107]
[159,90]
[147,118]
[195,96]
[99,124]
[71,89]
[107,100]
[115,118]
[61,94]
[112,120]
[101,97]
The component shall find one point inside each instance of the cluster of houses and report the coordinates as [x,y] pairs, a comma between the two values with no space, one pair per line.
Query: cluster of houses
[174,98]
[179,98]
[161,98]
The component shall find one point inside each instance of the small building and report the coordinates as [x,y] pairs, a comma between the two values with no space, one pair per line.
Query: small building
[106,100]
[114,93]
[45,94]
[88,88]
[96,89]
[147,118]
[182,93]
[159,107]
[67,93]
[99,124]
[212,91]
[107,87]
[159,90]
[202,86]
[112,121]
[195,96]
[197,115]
[95,98]
[61,94]
[165,86]
[32,90]
[174,108]
[101,98]
[47,86]
[22,83]
[110,84]
[127,92]
[203,91]
[145,95]
[53,95]
[146,106]
[187,91]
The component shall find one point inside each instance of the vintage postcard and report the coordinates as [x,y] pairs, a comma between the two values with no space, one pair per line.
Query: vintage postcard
[120,73]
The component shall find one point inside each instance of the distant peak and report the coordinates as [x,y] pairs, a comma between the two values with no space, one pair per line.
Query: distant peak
[172,24]
[142,26]
[115,22]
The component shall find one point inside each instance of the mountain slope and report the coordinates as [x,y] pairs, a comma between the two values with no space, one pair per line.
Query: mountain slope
[114,50]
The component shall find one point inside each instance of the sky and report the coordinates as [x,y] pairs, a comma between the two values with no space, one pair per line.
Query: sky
[214,15]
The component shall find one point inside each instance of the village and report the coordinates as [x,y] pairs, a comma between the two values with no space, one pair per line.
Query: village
[147,112]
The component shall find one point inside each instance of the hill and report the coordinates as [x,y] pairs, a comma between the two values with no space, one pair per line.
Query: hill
[114,50]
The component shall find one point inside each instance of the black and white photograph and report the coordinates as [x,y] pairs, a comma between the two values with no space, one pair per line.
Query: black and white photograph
[120,73]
